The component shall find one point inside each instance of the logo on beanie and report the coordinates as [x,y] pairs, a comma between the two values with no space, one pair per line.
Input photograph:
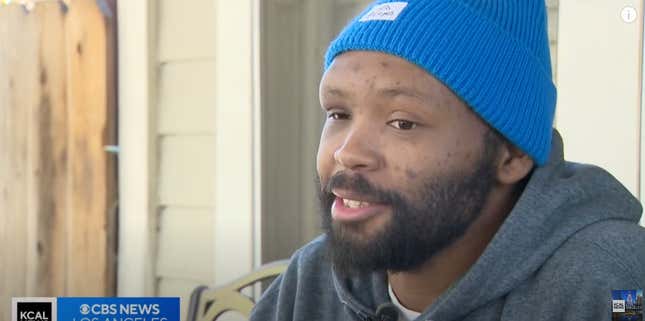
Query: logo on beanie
[386,11]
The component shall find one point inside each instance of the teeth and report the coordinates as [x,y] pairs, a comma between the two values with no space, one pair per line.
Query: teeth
[355,204]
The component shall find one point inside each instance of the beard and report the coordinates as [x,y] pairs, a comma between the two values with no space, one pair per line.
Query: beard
[416,229]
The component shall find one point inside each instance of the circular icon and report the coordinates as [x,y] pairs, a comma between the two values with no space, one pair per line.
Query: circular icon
[629,14]
[85,309]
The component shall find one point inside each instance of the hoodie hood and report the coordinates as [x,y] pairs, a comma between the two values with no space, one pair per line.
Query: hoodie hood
[560,199]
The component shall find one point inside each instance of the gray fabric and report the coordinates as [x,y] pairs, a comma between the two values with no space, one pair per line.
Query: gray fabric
[572,237]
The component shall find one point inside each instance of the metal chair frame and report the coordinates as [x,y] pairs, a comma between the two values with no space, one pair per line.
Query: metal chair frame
[208,304]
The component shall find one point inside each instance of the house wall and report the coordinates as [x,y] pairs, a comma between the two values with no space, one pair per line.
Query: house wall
[599,84]
[204,108]
[185,135]
[186,167]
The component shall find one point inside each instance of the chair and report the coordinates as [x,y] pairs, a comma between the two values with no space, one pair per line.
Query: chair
[208,304]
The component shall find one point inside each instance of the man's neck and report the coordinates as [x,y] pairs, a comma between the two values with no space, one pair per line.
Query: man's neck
[418,289]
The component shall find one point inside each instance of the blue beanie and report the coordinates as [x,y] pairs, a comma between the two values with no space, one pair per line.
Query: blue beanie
[493,54]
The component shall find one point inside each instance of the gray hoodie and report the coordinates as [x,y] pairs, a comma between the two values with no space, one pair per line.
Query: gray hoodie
[572,237]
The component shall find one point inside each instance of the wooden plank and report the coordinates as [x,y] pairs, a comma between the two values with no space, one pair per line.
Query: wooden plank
[186,97]
[187,29]
[186,235]
[89,182]
[48,156]
[7,265]
[186,171]
[5,292]
[19,46]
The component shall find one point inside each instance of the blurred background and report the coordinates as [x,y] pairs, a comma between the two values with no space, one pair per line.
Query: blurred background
[151,146]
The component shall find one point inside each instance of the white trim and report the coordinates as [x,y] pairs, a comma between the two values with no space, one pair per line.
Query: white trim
[256,21]
[234,166]
[642,119]
[134,276]
[257,132]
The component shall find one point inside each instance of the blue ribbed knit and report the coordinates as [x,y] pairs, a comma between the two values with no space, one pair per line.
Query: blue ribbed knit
[494,54]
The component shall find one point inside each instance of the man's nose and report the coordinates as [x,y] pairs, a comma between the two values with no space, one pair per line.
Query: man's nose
[359,151]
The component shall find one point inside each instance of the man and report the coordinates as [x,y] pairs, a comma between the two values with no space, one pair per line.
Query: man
[443,188]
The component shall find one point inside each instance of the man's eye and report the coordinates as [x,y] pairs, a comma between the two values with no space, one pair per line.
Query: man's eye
[337,116]
[402,124]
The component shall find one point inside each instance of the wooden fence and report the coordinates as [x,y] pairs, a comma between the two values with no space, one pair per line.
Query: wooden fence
[58,197]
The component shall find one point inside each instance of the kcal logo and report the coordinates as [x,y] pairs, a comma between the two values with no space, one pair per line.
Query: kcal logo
[31,315]
[618,306]
[33,309]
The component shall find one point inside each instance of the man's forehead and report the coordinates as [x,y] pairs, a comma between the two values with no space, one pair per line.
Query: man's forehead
[384,74]
[358,59]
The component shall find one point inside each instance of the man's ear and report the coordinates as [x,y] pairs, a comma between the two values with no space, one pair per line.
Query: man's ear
[513,165]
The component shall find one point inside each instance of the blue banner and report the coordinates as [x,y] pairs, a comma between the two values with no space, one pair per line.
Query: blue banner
[117,309]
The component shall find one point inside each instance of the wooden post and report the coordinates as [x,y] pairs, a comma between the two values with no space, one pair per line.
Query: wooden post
[88,128]
[18,55]
[46,261]
[57,183]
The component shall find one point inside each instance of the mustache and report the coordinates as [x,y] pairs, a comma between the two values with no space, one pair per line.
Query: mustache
[357,183]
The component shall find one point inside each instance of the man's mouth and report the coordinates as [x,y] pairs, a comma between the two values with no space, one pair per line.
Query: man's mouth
[354,203]
[354,208]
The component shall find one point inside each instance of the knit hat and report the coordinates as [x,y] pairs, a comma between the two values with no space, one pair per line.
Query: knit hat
[493,54]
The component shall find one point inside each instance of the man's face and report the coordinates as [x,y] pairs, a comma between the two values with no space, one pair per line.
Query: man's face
[402,163]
